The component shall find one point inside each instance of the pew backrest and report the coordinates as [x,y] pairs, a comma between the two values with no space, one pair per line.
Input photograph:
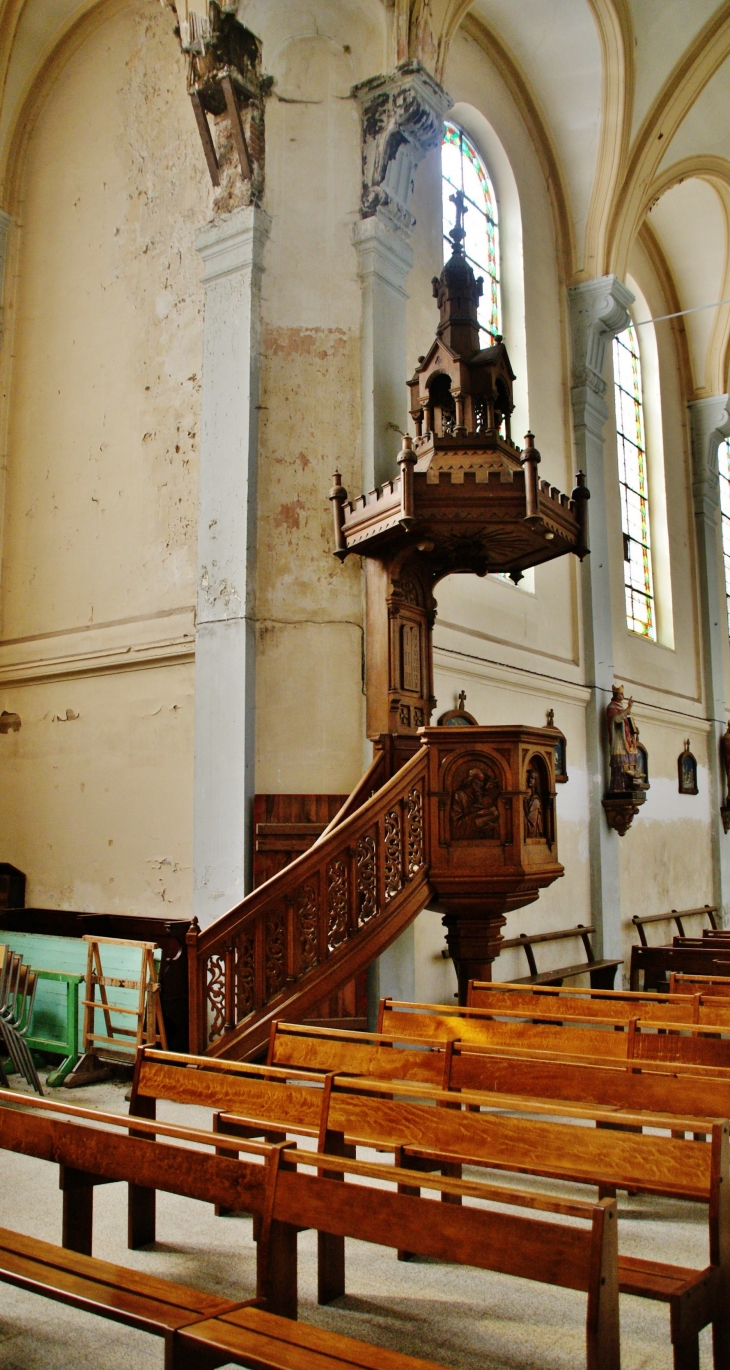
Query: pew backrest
[686,1006]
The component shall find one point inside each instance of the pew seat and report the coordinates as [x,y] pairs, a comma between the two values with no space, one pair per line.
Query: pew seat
[201,1331]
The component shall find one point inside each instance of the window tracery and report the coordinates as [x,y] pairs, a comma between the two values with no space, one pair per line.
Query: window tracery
[633,485]
[463,169]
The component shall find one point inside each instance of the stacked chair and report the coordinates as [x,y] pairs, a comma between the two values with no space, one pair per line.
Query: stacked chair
[18,983]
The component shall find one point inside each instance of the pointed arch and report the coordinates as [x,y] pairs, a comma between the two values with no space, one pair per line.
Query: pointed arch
[697,65]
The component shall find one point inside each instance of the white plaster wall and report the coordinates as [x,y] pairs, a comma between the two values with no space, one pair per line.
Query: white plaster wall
[104,322]
[310,703]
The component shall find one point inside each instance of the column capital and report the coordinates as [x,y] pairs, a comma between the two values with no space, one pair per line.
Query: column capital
[709,424]
[233,242]
[382,250]
[402,112]
[599,309]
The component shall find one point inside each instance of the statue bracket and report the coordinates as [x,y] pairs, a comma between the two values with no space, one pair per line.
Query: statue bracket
[621,809]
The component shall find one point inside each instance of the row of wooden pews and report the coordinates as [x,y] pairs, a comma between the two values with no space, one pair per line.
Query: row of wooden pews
[599,1089]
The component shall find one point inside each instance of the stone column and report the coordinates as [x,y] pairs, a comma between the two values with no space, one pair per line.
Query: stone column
[599,310]
[402,114]
[709,424]
[232,248]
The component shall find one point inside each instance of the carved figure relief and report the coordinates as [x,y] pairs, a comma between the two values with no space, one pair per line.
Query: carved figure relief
[474,811]
[534,809]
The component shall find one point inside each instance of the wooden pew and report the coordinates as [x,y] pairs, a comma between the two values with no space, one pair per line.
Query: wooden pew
[602,973]
[655,964]
[343,1112]
[199,1329]
[686,1043]
[677,1007]
[676,916]
[521,1241]
[708,985]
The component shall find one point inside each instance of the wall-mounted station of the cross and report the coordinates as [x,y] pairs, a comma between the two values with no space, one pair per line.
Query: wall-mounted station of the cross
[466,499]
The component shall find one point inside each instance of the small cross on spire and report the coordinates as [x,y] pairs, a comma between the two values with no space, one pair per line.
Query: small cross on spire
[462,693]
[458,233]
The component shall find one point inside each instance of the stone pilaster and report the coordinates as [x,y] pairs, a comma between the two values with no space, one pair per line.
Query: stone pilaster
[599,310]
[709,424]
[232,248]
[402,114]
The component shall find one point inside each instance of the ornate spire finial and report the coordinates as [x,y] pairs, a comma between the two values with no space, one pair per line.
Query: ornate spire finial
[458,232]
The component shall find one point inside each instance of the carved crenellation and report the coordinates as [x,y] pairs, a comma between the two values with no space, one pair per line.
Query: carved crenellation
[402,115]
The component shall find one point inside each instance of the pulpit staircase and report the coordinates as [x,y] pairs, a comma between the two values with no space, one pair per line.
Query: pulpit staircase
[300,937]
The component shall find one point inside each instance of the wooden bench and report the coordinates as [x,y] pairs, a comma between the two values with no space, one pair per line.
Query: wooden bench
[621,1006]
[687,1043]
[602,973]
[350,1112]
[200,1330]
[714,986]
[521,1241]
[675,916]
[651,967]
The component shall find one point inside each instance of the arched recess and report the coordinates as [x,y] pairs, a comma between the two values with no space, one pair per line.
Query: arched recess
[715,172]
[702,58]
[102,372]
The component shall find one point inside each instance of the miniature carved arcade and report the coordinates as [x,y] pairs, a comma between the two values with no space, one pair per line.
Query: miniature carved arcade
[466,500]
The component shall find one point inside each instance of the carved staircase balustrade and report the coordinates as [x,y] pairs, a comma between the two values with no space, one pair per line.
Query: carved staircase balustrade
[297,938]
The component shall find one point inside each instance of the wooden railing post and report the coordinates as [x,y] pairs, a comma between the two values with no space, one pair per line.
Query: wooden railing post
[196,992]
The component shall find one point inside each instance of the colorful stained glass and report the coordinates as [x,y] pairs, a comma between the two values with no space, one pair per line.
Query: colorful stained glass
[633,484]
[463,169]
[723,463]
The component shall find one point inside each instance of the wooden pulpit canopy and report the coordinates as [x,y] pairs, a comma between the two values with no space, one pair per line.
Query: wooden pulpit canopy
[466,497]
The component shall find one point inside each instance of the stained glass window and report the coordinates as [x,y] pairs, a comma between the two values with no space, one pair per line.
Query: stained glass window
[634,484]
[463,169]
[723,462]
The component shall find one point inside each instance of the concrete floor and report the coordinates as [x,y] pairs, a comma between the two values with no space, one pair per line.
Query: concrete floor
[454,1315]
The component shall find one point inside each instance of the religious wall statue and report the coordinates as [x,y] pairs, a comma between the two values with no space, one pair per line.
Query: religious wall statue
[534,815]
[628,763]
[725,759]
[474,806]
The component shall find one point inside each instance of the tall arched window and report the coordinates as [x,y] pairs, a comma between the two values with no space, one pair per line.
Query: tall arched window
[463,169]
[633,484]
[723,462]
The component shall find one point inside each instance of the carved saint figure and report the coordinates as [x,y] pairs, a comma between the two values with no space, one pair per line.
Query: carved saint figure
[623,736]
[725,754]
[474,808]
[534,820]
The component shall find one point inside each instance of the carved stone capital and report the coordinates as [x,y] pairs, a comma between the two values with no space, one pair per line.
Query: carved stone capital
[709,424]
[599,309]
[402,114]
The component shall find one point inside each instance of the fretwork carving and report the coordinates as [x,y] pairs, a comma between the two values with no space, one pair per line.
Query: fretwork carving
[275,961]
[336,903]
[245,977]
[367,879]
[216,995]
[393,864]
[414,831]
[307,924]
[411,650]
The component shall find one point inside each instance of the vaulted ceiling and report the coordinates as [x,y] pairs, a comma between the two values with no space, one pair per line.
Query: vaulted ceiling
[628,100]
